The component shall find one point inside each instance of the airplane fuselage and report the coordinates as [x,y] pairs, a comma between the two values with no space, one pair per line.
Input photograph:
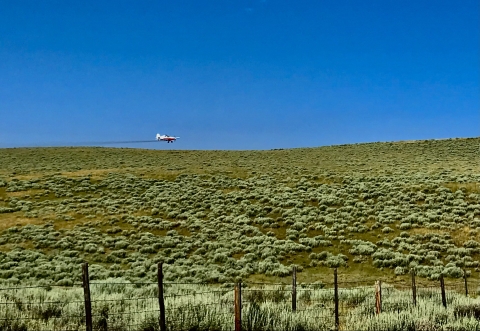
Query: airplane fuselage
[166,138]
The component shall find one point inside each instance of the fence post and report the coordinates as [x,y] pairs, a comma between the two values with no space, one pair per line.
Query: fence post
[294,289]
[335,295]
[161,301]
[86,293]
[238,307]
[442,287]
[414,288]
[378,297]
[465,279]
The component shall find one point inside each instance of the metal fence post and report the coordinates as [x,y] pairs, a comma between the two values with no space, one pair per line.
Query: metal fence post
[442,287]
[378,297]
[414,288]
[86,293]
[238,306]
[335,295]
[294,289]
[161,301]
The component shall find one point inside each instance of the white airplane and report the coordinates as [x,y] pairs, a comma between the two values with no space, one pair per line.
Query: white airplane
[166,138]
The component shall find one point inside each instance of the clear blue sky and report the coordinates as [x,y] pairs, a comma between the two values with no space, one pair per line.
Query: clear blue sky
[238,74]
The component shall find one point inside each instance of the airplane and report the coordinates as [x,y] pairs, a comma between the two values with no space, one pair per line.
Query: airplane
[166,138]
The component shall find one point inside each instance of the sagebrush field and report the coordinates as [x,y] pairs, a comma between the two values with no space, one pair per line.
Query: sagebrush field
[374,210]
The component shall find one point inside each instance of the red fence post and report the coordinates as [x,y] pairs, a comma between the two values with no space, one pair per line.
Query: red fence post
[378,297]
[238,307]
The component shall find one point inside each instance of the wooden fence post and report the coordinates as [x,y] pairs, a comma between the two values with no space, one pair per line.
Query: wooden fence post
[294,289]
[378,297]
[335,297]
[442,287]
[238,307]
[465,279]
[86,293]
[161,301]
[414,288]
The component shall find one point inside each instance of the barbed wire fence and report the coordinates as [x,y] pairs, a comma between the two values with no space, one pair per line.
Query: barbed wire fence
[172,305]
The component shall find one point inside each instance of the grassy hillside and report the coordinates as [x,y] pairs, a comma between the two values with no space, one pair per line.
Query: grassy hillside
[374,210]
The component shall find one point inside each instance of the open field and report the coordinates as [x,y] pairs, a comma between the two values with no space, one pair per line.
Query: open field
[374,210]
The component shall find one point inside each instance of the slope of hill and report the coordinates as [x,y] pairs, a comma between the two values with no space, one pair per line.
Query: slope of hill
[374,210]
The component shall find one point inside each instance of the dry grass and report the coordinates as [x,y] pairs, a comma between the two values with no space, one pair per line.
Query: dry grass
[17,219]
[424,231]
[469,188]
[24,193]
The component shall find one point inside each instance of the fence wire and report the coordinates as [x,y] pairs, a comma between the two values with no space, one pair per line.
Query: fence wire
[128,306]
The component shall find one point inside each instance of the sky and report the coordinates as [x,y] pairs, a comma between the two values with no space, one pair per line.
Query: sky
[237,74]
